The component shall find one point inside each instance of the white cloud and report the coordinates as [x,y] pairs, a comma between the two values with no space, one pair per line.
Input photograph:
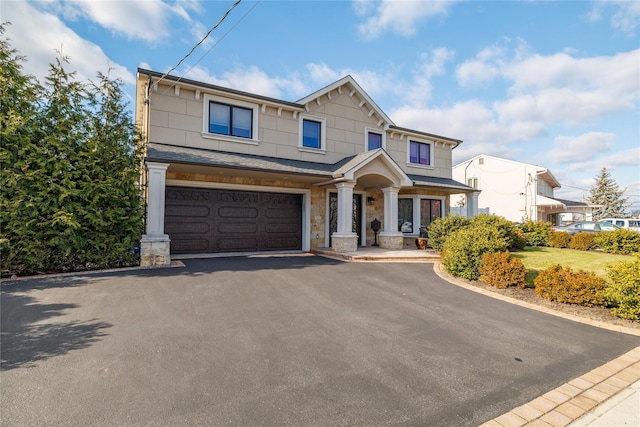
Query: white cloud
[483,68]
[399,17]
[569,149]
[37,35]
[624,14]
[253,80]
[147,20]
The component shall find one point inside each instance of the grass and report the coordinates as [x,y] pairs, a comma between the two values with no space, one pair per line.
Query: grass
[536,259]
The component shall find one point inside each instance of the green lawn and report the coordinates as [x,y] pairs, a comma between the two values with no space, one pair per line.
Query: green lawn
[536,259]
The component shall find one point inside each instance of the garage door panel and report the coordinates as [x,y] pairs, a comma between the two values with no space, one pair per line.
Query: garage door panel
[238,244]
[238,228]
[237,212]
[184,227]
[214,220]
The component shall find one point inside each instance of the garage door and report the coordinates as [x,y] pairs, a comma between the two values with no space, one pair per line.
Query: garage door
[206,221]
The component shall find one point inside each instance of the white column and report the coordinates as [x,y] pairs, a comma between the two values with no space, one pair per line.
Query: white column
[472,204]
[344,239]
[155,203]
[390,210]
[155,246]
[345,208]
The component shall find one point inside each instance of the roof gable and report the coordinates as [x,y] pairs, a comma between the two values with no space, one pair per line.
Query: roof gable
[348,83]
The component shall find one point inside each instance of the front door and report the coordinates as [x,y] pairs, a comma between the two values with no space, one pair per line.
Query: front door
[356,223]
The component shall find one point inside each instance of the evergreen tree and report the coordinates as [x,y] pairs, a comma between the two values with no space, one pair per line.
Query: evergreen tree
[607,196]
[71,163]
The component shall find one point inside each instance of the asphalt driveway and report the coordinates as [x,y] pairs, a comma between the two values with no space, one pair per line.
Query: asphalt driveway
[291,340]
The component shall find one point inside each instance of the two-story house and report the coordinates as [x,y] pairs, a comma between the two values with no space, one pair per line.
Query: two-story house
[230,171]
[517,191]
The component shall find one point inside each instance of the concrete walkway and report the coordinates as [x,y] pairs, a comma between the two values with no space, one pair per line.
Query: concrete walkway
[608,396]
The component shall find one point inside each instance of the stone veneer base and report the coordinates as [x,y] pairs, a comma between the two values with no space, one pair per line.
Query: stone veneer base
[155,250]
[392,241]
[342,244]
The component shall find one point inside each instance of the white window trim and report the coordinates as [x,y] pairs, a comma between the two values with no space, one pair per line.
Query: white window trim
[477,178]
[367,131]
[323,134]
[432,159]
[416,209]
[205,120]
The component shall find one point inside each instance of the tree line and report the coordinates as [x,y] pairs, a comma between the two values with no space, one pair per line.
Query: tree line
[70,165]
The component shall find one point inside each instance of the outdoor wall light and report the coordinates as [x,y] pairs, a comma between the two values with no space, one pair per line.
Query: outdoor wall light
[370,200]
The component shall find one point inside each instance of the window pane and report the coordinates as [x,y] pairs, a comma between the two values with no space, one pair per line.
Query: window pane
[425,212]
[374,141]
[311,134]
[436,210]
[242,118]
[413,152]
[405,215]
[219,118]
[424,154]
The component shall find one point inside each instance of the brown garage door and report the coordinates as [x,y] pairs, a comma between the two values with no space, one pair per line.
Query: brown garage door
[206,221]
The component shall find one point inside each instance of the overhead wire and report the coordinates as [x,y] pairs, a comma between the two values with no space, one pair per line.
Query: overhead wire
[201,40]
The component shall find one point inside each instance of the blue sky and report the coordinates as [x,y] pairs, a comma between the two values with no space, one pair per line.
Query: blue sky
[556,84]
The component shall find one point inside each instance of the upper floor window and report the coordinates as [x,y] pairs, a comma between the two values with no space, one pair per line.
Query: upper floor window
[420,153]
[473,183]
[312,133]
[230,120]
[374,140]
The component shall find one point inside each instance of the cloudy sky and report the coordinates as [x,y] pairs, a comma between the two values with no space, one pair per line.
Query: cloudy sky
[556,84]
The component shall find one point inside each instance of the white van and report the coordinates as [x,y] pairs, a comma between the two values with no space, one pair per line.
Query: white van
[628,223]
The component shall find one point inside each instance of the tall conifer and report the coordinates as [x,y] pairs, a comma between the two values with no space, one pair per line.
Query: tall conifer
[607,197]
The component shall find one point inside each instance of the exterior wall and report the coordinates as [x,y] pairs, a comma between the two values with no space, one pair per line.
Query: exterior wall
[176,118]
[504,186]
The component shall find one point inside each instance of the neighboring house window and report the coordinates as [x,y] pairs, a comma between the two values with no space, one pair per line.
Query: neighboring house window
[230,120]
[374,140]
[473,183]
[415,213]
[312,133]
[481,161]
[420,153]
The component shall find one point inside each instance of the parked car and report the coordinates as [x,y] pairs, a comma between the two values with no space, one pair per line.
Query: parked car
[585,226]
[628,223]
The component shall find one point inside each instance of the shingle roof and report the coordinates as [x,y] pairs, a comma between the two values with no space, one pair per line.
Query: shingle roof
[196,156]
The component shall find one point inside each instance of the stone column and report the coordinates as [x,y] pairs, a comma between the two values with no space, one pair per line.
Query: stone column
[390,237]
[155,245]
[344,239]
[472,204]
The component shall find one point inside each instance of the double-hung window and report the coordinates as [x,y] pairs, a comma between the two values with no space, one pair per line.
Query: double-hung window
[232,120]
[419,153]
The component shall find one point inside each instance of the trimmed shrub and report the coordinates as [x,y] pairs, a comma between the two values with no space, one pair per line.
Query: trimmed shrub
[573,287]
[623,290]
[559,239]
[621,241]
[506,228]
[441,228]
[501,270]
[582,241]
[463,250]
[536,233]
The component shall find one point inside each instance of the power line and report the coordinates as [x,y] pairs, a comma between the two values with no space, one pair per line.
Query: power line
[201,40]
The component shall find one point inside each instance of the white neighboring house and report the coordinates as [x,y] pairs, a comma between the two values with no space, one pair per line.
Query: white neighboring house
[517,191]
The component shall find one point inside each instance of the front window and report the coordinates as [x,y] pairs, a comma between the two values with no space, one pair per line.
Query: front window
[374,141]
[230,120]
[420,153]
[405,215]
[311,134]
[416,214]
